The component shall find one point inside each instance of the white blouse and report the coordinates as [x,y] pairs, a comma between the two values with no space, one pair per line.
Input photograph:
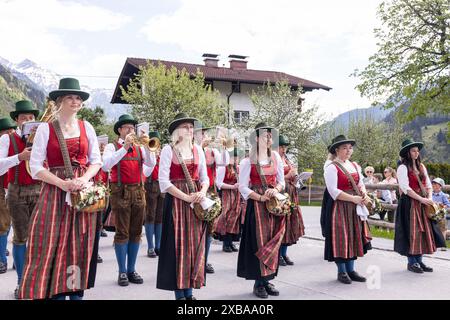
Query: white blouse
[39,150]
[111,157]
[165,162]
[6,162]
[244,174]
[403,180]
[331,177]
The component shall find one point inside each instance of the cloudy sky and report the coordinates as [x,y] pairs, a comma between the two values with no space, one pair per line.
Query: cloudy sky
[321,40]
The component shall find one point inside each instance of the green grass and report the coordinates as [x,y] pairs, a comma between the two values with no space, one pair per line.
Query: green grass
[382,233]
[304,203]
[378,232]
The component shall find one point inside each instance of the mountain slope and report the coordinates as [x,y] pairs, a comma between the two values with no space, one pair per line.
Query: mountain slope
[13,89]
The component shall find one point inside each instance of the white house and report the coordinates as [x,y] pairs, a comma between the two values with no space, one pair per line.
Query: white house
[234,83]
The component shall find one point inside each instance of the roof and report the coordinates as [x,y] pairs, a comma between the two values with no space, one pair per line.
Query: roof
[132,65]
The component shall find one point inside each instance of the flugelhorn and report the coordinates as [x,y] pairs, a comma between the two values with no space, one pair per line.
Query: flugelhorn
[154,144]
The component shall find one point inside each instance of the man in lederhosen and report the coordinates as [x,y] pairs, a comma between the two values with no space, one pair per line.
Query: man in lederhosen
[125,160]
[155,203]
[23,191]
[7,126]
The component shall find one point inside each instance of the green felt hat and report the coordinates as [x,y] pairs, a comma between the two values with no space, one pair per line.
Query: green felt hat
[68,86]
[154,134]
[24,106]
[339,140]
[283,141]
[7,123]
[180,118]
[408,144]
[123,119]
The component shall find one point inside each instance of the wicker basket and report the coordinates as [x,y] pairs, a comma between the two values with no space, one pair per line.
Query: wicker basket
[98,206]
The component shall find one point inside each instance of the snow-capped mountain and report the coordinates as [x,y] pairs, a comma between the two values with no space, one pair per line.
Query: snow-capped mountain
[47,80]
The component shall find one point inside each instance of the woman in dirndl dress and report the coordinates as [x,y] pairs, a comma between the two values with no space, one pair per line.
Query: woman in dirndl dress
[415,233]
[344,226]
[61,239]
[263,231]
[228,224]
[295,229]
[181,264]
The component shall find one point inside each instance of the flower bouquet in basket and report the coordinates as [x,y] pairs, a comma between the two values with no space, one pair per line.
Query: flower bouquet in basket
[90,199]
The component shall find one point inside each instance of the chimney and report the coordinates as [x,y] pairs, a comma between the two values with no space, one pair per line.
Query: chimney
[211,60]
[238,62]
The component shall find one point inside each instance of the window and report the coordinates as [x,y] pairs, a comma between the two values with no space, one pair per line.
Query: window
[240,116]
[236,87]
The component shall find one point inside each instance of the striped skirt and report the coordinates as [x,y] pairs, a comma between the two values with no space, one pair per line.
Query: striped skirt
[294,223]
[415,234]
[60,245]
[349,234]
[229,221]
[261,240]
[181,263]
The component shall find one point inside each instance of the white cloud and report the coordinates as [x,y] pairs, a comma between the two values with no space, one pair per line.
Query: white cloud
[322,40]
[40,31]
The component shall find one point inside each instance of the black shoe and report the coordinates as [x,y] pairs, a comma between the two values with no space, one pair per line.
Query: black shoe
[344,278]
[281,262]
[151,253]
[134,277]
[270,289]
[123,279]
[415,267]
[234,248]
[425,268]
[260,292]
[103,233]
[356,277]
[191,298]
[3,267]
[99,259]
[288,261]
[182,298]
[227,249]
[16,293]
[157,251]
[209,268]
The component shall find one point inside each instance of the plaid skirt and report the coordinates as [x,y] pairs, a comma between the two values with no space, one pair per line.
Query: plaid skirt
[181,263]
[60,245]
[295,228]
[350,235]
[229,222]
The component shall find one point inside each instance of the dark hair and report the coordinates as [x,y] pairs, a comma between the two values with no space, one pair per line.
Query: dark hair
[408,162]
[379,176]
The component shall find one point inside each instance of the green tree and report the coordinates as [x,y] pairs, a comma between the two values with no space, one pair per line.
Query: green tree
[412,64]
[278,105]
[96,117]
[377,143]
[157,94]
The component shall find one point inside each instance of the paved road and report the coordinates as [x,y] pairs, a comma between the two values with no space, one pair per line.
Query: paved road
[310,278]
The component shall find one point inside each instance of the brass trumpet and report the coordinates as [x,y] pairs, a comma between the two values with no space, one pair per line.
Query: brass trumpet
[152,144]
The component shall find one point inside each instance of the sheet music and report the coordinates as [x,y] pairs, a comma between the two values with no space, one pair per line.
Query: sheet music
[142,128]
[103,139]
[27,127]
[304,176]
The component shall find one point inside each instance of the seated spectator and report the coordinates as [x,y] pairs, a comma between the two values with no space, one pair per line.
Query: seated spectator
[368,171]
[441,198]
[383,195]
[390,178]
